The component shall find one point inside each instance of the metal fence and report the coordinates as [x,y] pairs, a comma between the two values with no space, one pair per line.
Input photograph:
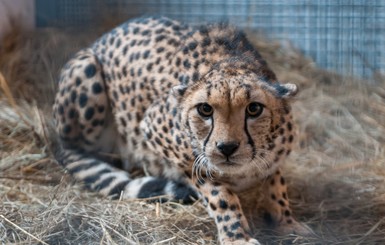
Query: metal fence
[347,36]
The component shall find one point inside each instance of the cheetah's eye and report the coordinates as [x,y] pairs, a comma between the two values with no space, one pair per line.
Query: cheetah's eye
[254,109]
[205,110]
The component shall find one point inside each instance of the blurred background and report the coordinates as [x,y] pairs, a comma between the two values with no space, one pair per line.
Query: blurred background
[347,37]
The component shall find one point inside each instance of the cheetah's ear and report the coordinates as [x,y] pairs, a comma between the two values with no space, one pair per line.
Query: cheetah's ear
[286,90]
[179,90]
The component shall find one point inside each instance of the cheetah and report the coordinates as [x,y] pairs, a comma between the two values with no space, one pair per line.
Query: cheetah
[196,108]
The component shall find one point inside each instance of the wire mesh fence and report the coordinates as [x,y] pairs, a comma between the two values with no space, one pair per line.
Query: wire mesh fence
[346,36]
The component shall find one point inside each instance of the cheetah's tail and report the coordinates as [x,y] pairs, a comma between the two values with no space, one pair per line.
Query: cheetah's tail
[100,176]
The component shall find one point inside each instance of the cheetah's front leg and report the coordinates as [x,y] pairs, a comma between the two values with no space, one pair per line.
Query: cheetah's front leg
[224,206]
[276,205]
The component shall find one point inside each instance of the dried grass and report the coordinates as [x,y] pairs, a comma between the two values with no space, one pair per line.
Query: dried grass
[336,174]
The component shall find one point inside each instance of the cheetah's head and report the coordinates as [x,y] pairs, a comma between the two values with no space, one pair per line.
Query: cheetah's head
[233,117]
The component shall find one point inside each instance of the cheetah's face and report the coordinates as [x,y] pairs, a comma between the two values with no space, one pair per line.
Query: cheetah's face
[230,119]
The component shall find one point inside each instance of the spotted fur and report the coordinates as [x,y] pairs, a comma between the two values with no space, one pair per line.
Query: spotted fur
[196,108]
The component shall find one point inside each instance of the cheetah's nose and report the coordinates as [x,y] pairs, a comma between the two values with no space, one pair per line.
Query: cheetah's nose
[227,148]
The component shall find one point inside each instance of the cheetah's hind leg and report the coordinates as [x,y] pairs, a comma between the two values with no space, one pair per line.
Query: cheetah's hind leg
[84,125]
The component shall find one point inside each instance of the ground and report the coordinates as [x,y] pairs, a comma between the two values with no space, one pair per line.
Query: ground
[336,174]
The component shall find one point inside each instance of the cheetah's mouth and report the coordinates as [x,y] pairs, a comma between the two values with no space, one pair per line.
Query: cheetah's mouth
[228,163]
[220,161]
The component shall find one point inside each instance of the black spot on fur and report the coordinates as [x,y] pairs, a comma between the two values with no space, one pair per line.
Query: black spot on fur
[112,39]
[116,61]
[61,110]
[201,181]
[123,122]
[160,50]
[89,113]
[125,49]
[185,50]
[146,54]
[97,88]
[227,218]
[219,219]
[100,109]
[71,113]
[67,129]
[223,204]
[206,42]
[73,96]
[280,152]
[192,45]
[213,207]
[235,226]
[195,76]
[118,43]
[83,100]
[178,140]
[165,152]
[186,157]
[186,64]
[146,32]
[90,70]
[160,38]
[178,61]
[291,138]
[158,141]
[149,67]
[167,22]
[95,123]
[115,95]
[78,81]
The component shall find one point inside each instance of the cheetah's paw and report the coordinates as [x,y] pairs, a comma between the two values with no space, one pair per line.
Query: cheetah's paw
[251,241]
[295,228]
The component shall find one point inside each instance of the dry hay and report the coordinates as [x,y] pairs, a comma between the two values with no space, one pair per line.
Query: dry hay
[336,174]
